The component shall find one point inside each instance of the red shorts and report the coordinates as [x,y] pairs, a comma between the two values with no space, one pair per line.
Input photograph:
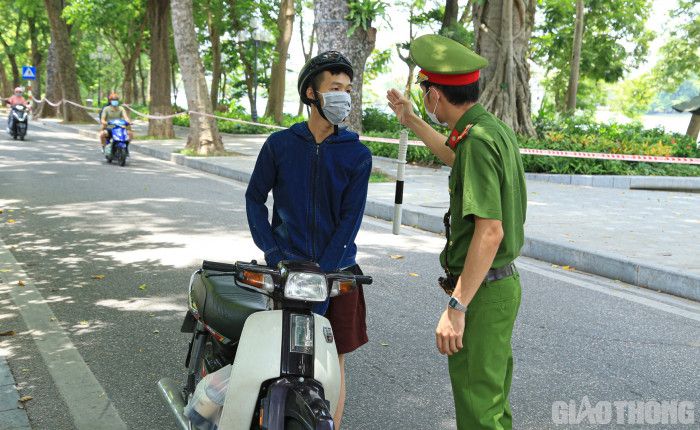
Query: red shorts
[347,314]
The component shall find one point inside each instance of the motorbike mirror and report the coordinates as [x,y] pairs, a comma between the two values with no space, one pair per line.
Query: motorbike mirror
[259,280]
[342,286]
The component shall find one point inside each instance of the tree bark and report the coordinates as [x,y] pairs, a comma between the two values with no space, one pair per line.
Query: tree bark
[159,16]
[451,15]
[66,64]
[204,135]
[694,126]
[215,38]
[575,59]
[12,58]
[307,55]
[53,87]
[285,25]
[332,28]
[502,29]
[37,58]
[5,85]
[142,81]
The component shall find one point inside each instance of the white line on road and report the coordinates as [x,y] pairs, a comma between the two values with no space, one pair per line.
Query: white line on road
[87,401]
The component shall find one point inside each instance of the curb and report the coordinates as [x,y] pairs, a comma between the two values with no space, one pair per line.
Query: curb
[611,266]
[656,183]
[11,415]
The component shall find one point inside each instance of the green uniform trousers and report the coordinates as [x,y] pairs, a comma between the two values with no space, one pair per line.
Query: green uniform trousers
[482,370]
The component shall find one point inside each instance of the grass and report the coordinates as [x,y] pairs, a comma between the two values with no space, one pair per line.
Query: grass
[152,138]
[378,176]
[190,153]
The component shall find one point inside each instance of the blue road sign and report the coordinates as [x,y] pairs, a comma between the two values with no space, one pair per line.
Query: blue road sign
[29,73]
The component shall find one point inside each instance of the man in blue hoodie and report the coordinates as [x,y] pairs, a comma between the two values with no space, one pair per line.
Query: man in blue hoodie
[318,173]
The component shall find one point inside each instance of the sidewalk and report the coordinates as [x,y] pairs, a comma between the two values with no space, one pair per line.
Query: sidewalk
[640,237]
[11,416]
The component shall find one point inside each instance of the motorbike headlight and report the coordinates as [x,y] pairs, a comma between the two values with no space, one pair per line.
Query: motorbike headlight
[311,287]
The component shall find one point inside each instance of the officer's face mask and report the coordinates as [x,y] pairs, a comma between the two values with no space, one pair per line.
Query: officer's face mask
[335,106]
[433,117]
[114,103]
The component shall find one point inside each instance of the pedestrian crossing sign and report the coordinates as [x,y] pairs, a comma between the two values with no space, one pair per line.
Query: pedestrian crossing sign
[29,73]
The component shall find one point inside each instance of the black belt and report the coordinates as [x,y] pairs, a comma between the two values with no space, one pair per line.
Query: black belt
[500,273]
[449,282]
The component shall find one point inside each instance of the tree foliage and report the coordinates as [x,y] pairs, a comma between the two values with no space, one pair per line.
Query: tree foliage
[615,40]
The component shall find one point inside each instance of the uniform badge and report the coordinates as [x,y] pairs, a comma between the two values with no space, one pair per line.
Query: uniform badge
[456,137]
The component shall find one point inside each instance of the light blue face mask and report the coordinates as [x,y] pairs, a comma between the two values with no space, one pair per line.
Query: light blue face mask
[114,103]
[336,106]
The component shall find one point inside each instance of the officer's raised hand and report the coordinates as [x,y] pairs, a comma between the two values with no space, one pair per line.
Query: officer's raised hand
[402,107]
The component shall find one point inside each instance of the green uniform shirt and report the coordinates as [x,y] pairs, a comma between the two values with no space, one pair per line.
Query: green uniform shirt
[487,181]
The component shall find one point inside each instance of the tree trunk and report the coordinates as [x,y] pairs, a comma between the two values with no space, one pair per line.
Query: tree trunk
[204,135]
[694,126]
[215,38]
[5,85]
[502,29]
[575,59]
[142,80]
[66,64]
[37,58]
[53,86]
[12,58]
[451,16]
[332,28]
[307,55]
[158,16]
[285,24]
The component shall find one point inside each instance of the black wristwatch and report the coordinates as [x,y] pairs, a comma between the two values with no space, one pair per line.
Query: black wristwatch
[455,304]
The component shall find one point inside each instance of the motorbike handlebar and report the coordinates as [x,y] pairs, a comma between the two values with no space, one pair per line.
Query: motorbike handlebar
[227,267]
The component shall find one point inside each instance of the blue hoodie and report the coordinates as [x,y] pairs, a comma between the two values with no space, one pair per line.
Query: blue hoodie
[319,193]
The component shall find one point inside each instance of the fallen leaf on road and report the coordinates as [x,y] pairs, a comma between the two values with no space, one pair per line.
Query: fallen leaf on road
[25,398]
[143,287]
[384,344]
[10,221]
[413,274]
[83,322]
[156,331]
[567,268]
[52,319]
[555,266]
[396,257]
[98,277]
[0,211]
[4,270]
[20,283]
[7,333]
[25,370]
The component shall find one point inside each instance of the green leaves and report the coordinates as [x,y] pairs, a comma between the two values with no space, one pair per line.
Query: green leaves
[361,13]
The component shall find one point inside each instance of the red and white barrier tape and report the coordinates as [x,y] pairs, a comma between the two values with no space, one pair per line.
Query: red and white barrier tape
[524,151]
[604,156]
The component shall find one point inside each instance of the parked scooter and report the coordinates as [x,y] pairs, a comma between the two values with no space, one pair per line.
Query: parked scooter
[256,324]
[117,147]
[19,118]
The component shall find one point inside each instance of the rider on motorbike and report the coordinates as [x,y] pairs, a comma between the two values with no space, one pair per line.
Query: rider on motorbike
[114,111]
[318,172]
[16,99]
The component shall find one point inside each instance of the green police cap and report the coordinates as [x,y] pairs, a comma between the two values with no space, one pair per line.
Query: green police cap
[445,61]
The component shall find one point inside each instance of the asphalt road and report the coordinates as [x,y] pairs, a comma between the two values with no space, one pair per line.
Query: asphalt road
[147,226]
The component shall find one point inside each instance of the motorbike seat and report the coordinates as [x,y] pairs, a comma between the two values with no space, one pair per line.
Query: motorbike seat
[222,304]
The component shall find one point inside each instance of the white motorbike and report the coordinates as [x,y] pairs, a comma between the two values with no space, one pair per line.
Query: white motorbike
[284,370]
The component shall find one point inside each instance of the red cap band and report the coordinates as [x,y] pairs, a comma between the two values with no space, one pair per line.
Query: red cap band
[451,80]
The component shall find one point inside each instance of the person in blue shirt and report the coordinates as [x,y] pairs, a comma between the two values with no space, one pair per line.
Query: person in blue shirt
[318,172]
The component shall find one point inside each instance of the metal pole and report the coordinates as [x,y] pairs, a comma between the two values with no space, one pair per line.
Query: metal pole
[254,109]
[400,168]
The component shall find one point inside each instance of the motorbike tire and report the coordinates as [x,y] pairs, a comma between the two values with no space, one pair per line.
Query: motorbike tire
[122,158]
[21,138]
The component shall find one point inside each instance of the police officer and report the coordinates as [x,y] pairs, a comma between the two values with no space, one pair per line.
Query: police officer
[484,228]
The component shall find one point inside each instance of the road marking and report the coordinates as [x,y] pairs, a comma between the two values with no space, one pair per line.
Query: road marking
[87,401]
[663,302]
